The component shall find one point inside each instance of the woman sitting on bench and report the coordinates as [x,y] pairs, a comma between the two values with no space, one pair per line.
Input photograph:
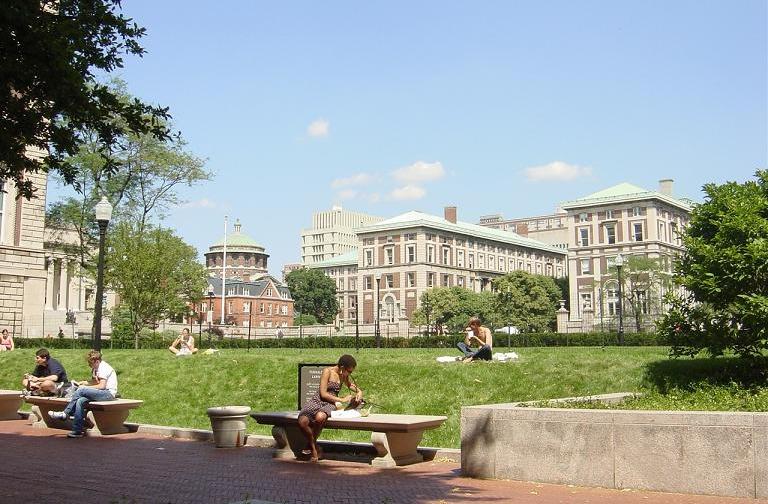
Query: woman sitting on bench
[319,407]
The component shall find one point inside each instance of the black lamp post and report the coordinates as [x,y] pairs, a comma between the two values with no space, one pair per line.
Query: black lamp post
[210,313]
[103,215]
[619,262]
[357,324]
[376,322]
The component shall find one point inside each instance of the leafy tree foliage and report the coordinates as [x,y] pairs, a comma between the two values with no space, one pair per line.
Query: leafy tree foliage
[521,299]
[724,272]
[154,272]
[313,294]
[49,96]
[644,280]
[526,301]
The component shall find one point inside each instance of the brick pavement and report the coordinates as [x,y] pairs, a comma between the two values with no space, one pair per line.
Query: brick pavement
[140,468]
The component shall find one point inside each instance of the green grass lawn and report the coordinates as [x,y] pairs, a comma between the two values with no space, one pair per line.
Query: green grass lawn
[177,391]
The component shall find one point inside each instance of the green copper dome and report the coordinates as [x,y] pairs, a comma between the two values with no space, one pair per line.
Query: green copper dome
[238,240]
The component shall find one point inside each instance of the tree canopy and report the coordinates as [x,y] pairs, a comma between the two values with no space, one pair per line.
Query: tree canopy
[724,273]
[154,272]
[313,294]
[49,93]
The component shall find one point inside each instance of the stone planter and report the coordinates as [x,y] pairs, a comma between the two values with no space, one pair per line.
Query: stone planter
[10,402]
[228,424]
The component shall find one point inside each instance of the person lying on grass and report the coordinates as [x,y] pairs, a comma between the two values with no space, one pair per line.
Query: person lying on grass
[316,411]
[477,334]
[101,387]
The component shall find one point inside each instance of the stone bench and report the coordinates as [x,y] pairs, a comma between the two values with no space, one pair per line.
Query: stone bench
[10,402]
[104,417]
[395,437]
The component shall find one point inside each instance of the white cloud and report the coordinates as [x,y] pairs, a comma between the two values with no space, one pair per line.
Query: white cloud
[409,192]
[419,172]
[347,194]
[319,128]
[201,203]
[357,179]
[557,171]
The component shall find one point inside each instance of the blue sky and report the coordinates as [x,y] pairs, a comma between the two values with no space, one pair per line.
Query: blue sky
[494,106]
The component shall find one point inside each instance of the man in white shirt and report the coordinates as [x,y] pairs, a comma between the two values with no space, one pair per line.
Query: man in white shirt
[101,387]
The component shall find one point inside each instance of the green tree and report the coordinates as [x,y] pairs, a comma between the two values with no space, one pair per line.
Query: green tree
[526,301]
[453,307]
[313,294]
[154,272]
[645,281]
[51,51]
[724,273]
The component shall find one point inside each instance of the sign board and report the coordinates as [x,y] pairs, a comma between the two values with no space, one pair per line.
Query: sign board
[309,381]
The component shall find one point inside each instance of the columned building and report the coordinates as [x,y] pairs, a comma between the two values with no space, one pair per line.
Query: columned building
[624,219]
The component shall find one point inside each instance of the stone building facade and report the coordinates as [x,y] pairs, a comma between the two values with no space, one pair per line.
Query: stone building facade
[398,259]
[332,234]
[624,219]
[551,229]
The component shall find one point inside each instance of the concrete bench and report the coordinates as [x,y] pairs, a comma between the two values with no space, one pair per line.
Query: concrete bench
[104,417]
[395,437]
[10,402]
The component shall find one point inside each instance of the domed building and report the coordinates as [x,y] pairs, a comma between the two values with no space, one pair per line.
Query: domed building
[246,259]
[252,296]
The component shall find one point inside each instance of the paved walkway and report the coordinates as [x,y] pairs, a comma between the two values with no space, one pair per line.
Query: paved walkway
[44,466]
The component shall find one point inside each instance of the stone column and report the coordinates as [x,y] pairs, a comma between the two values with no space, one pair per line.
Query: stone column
[562,318]
[587,319]
[49,283]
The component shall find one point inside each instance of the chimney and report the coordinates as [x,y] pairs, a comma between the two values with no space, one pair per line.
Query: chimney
[450,214]
[665,186]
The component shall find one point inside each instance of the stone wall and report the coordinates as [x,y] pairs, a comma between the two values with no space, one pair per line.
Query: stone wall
[715,453]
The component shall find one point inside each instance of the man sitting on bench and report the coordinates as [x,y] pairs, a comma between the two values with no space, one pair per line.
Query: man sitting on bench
[48,377]
[101,387]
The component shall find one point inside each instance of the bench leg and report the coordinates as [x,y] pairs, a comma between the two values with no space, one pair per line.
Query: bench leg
[41,420]
[9,407]
[289,440]
[396,448]
[108,422]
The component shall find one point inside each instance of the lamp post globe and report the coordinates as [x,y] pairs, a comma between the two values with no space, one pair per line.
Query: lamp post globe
[619,262]
[103,211]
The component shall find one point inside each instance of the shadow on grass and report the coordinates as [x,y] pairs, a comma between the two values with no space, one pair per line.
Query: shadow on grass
[687,374]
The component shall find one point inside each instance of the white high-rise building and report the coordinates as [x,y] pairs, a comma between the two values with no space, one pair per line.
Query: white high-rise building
[332,234]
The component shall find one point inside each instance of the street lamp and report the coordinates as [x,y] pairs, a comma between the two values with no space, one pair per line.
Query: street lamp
[103,215]
[376,322]
[619,262]
[210,313]
[357,324]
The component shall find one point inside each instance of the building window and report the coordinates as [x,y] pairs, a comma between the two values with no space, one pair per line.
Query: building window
[637,211]
[584,237]
[471,261]
[247,307]
[352,283]
[389,255]
[430,280]
[341,284]
[609,214]
[369,257]
[612,299]
[389,281]
[410,237]
[269,291]
[481,261]
[269,309]
[583,217]
[410,252]
[411,279]
[460,258]
[430,253]
[460,281]
[446,280]
[674,238]
[586,300]
[446,255]
[637,232]
[367,282]
[585,266]
[642,301]
[284,309]
[229,307]
[610,233]
[261,307]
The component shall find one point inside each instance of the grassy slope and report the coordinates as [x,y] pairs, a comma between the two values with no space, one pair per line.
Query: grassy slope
[178,391]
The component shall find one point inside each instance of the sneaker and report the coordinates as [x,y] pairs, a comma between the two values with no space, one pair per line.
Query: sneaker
[75,434]
[57,415]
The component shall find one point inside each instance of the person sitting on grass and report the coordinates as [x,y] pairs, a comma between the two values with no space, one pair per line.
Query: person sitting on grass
[477,334]
[48,377]
[6,341]
[318,408]
[101,387]
[184,344]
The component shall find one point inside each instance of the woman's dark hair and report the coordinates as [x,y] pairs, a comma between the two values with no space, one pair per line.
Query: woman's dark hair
[346,361]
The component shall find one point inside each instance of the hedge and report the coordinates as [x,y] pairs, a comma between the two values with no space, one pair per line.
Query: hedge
[159,340]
